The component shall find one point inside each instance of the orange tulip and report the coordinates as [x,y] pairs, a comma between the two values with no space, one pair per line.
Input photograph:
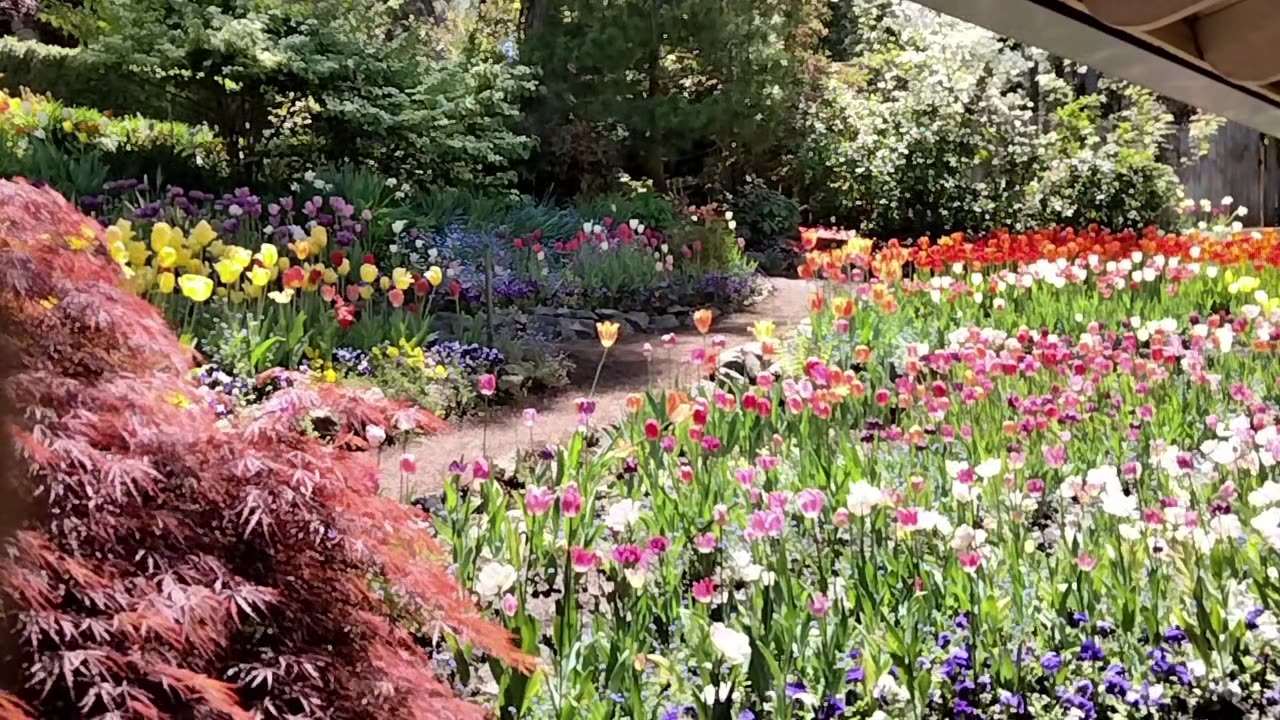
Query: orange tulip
[862,354]
[816,301]
[675,400]
[608,332]
[843,306]
[702,320]
[635,401]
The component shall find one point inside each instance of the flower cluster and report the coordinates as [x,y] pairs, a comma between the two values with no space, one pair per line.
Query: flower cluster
[1036,485]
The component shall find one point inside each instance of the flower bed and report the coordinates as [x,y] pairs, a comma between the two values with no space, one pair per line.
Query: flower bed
[311,282]
[1035,477]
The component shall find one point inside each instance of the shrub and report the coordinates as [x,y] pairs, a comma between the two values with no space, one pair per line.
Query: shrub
[75,78]
[177,567]
[76,149]
[941,126]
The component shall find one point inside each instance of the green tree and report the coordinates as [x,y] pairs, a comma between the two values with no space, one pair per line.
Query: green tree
[289,82]
[667,88]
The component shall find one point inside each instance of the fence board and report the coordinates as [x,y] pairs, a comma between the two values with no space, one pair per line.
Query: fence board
[1242,163]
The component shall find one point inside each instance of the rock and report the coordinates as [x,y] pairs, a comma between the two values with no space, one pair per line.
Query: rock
[637,320]
[745,360]
[582,315]
[577,328]
[664,323]
[609,313]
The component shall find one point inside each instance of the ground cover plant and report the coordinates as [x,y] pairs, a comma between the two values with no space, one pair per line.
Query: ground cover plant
[175,564]
[1009,476]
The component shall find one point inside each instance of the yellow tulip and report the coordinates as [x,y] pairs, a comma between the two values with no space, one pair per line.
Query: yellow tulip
[402,278]
[166,257]
[281,296]
[237,296]
[345,268]
[195,266]
[260,276]
[385,283]
[240,256]
[330,277]
[253,291]
[220,292]
[435,276]
[138,253]
[196,287]
[302,249]
[160,236]
[366,291]
[368,273]
[319,237]
[164,281]
[283,264]
[119,252]
[269,254]
[122,231]
[202,234]
[217,248]
[228,270]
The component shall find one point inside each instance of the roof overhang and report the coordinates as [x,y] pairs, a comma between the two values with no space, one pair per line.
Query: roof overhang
[1219,55]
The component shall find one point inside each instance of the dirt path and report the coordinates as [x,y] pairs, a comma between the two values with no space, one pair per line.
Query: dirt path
[624,372]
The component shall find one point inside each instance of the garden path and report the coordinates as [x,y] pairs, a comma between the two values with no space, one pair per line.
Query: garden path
[624,373]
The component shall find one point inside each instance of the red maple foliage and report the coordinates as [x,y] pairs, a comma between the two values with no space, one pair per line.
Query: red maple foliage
[173,566]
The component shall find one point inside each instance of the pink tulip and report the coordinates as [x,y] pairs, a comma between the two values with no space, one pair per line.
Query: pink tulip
[510,605]
[583,559]
[530,416]
[811,502]
[408,464]
[538,500]
[488,384]
[705,543]
[704,590]
[570,501]
[819,604]
[970,561]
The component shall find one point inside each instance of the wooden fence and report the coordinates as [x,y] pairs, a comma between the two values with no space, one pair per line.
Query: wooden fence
[1242,163]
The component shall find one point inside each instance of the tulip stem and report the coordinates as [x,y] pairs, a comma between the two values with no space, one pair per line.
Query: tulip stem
[599,367]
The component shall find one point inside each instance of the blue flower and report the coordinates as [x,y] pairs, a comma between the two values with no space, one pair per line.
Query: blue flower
[1051,662]
[1091,651]
[1175,636]
[855,675]
[746,715]
[1115,681]
[1251,619]
[1078,618]
[1016,704]
[944,639]
[796,688]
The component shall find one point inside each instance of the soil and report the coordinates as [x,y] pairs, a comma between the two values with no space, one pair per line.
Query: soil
[625,371]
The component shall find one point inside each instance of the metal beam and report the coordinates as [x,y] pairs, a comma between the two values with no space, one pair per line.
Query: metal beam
[1069,32]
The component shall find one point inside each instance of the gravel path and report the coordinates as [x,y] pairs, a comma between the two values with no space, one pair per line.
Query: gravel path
[624,373]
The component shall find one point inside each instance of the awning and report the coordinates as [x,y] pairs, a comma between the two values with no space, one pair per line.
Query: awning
[1219,55]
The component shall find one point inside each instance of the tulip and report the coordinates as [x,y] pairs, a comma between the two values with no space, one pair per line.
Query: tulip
[408,464]
[608,333]
[196,287]
[228,271]
[488,384]
[368,273]
[259,276]
[401,278]
[165,282]
[435,276]
[268,254]
[282,297]
[702,320]
[396,297]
